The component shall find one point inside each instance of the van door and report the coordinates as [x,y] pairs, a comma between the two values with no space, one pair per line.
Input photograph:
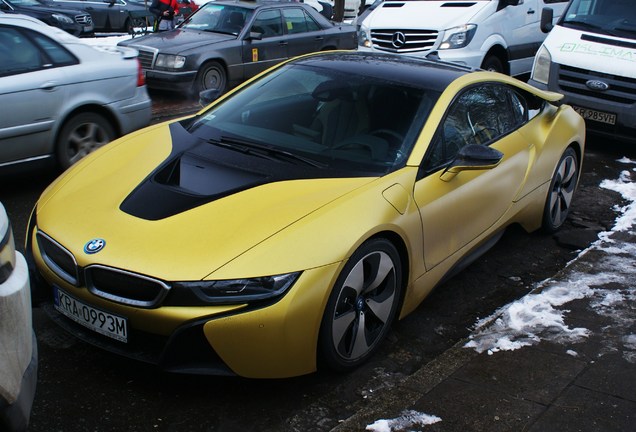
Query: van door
[525,35]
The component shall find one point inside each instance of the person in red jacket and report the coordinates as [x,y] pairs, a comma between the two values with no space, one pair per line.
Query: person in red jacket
[164,11]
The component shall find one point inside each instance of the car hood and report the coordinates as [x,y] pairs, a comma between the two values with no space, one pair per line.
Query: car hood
[418,14]
[592,51]
[88,202]
[178,40]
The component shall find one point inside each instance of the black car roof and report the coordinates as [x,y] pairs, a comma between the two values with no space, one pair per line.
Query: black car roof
[421,72]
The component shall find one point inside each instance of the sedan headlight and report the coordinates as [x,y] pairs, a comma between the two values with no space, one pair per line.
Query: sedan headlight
[541,66]
[7,253]
[169,61]
[62,18]
[194,293]
[458,37]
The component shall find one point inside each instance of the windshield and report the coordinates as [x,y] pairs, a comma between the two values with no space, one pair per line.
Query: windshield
[218,18]
[611,17]
[323,115]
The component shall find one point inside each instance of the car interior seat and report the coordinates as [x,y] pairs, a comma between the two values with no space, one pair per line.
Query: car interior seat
[341,112]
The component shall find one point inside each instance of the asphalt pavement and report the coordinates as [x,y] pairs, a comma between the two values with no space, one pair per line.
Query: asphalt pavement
[577,375]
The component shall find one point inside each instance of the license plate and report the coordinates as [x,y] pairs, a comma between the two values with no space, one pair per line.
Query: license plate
[594,115]
[97,320]
[88,28]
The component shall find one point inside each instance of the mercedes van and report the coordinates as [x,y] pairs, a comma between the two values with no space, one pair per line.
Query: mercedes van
[590,57]
[498,35]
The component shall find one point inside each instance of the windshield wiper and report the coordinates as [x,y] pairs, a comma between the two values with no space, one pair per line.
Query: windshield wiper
[252,147]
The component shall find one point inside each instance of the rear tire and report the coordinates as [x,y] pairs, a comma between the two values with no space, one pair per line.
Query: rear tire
[562,187]
[81,135]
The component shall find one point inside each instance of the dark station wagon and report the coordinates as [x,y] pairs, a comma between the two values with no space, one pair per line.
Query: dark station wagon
[225,42]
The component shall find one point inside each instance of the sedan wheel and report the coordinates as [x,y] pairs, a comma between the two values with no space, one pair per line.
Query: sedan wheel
[80,136]
[362,305]
[211,77]
[562,189]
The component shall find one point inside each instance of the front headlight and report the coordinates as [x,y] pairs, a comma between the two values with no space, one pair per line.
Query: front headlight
[541,66]
[458,37]
[170,61]
[62,18]
[194,293]
[364,38]
[7,251]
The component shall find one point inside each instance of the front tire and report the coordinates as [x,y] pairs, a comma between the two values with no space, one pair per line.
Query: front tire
[81,135]
[562,187]
[362,306]
[493,64]
[211,76]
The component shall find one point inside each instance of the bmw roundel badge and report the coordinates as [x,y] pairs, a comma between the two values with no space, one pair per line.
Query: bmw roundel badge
[94,246]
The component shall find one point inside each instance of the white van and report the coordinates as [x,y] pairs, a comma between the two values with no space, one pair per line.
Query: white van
[499,35]
[590,57]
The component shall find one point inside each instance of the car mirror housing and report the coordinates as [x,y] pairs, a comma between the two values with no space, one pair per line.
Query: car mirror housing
[255,36]
[472,157]
[206,97]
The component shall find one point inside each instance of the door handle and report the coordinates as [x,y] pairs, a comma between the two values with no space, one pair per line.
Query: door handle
[48,86]
[530,11]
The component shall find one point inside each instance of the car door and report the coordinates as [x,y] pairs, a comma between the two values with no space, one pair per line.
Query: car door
[456,211]
[28,74]
[271,48]
[304,33]
[106,14]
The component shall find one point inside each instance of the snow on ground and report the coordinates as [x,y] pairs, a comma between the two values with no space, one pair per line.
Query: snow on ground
[539,316]
[406,421]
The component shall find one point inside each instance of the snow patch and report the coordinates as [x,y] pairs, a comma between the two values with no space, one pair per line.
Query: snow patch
[540,315]
[407,420]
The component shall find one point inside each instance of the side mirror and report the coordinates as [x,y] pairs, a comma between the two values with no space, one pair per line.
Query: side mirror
[547,15]
[206,97]
[506,3]
[254,35]
[472,157]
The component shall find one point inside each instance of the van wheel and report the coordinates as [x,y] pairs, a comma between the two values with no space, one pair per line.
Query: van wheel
[492,64]
[81,135]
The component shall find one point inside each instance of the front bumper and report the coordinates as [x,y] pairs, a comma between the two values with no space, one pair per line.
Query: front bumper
[271,340]
[171,81]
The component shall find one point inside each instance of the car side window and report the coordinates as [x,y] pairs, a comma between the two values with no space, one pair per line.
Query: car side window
[268,23]
[479,116]
[59,55]
[18,54]
[297,21]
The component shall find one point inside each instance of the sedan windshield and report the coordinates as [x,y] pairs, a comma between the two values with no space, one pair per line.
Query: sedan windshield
[322,116]
[218,18]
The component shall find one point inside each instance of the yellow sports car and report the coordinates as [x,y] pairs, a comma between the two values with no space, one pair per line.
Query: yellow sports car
[285,226]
